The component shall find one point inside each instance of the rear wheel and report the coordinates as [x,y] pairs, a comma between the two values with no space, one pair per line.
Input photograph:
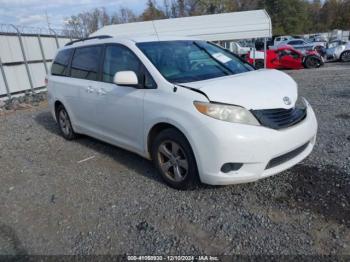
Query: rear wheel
[313,62]
[64,123]
[174,159]
[345,56]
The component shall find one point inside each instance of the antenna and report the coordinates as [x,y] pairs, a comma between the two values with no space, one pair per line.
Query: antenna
[155,30]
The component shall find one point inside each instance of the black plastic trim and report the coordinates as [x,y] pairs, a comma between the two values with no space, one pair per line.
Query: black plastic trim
[286,157]
[280,118]
[88,38]
[193,89]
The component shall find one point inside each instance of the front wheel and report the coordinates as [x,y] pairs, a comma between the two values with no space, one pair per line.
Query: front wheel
[174,159]
[312,62]
[345,56]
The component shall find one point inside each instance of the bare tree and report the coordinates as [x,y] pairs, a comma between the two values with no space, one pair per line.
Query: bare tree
[86,23]
[167,8]
[123,15]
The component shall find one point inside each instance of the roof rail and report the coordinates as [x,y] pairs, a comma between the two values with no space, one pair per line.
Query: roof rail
[88,38]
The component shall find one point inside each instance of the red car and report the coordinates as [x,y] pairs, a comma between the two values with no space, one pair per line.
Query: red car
[286,57]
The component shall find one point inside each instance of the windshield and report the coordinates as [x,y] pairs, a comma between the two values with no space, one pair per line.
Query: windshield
[190,61]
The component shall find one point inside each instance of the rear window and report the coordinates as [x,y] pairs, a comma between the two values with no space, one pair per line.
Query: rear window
[85,63]
[60,65]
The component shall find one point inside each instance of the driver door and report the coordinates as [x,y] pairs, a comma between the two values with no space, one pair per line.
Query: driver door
[120,108]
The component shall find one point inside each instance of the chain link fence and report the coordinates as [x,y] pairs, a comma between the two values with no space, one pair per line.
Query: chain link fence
[26,54]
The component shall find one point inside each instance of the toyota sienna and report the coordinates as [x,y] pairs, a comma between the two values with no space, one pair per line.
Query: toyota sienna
[197,110]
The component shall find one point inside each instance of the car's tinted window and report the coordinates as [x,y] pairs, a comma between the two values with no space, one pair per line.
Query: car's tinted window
[297,42]
[60,65]
[85,63]
[119,58]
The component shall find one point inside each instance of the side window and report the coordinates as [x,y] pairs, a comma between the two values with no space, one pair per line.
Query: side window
[296,42]
[149,81]
[85,63]
[301,42]
[60,65]
[119,58]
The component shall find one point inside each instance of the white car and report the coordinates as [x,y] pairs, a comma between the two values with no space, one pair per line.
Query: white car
[281,39]
[338,51]
[304,45]
[239,50]
[195,109]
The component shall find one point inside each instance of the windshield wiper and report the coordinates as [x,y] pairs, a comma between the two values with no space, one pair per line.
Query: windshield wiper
[213,57]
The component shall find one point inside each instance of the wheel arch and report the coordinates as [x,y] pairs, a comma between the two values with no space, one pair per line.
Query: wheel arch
[156,128]
[56,106]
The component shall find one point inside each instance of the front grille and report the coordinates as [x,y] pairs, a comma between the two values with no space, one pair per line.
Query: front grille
[286,157]
[280,118]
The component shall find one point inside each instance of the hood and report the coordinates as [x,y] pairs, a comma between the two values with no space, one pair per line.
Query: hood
[261,89]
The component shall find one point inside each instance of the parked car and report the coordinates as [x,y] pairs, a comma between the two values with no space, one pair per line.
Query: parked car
[318,38]
[286,57]
[277,41]
[194,108]
[301,44]
[280,39]
[338,51]
[239,50]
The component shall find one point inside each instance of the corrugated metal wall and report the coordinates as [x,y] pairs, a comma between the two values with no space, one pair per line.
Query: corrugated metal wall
[24,66]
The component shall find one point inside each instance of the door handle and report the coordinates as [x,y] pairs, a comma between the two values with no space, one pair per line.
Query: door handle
[101,92]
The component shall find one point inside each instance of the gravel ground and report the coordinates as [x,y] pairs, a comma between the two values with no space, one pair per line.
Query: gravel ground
[115,203]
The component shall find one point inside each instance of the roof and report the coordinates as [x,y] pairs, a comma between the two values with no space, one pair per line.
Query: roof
[227,26]
[136,39]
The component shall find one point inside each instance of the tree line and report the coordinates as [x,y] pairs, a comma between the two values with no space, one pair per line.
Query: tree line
[288,16]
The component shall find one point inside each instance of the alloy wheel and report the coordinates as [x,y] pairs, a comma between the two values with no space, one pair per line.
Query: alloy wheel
[313,62]
[64,122]
[172,161]
[346,56]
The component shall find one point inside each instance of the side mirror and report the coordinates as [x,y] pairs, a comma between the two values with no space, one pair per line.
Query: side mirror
[126,78]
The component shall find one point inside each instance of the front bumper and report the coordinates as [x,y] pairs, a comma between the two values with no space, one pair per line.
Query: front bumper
[254,146]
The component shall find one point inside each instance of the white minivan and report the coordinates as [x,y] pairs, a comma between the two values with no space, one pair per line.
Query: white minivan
[197,110]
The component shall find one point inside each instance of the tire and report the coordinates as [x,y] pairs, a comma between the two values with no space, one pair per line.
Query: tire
[345,56]
[312,62]
[173,157]
[65,124]
[259,64]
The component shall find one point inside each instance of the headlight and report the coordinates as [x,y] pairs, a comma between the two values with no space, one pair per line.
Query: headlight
[228,113]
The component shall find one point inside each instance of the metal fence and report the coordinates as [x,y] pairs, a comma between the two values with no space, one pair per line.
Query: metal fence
[26,54]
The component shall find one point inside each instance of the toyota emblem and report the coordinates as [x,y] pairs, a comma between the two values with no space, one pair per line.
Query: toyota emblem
[287,100]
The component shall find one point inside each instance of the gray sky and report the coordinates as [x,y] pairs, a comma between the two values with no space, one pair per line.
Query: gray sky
[32,12]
